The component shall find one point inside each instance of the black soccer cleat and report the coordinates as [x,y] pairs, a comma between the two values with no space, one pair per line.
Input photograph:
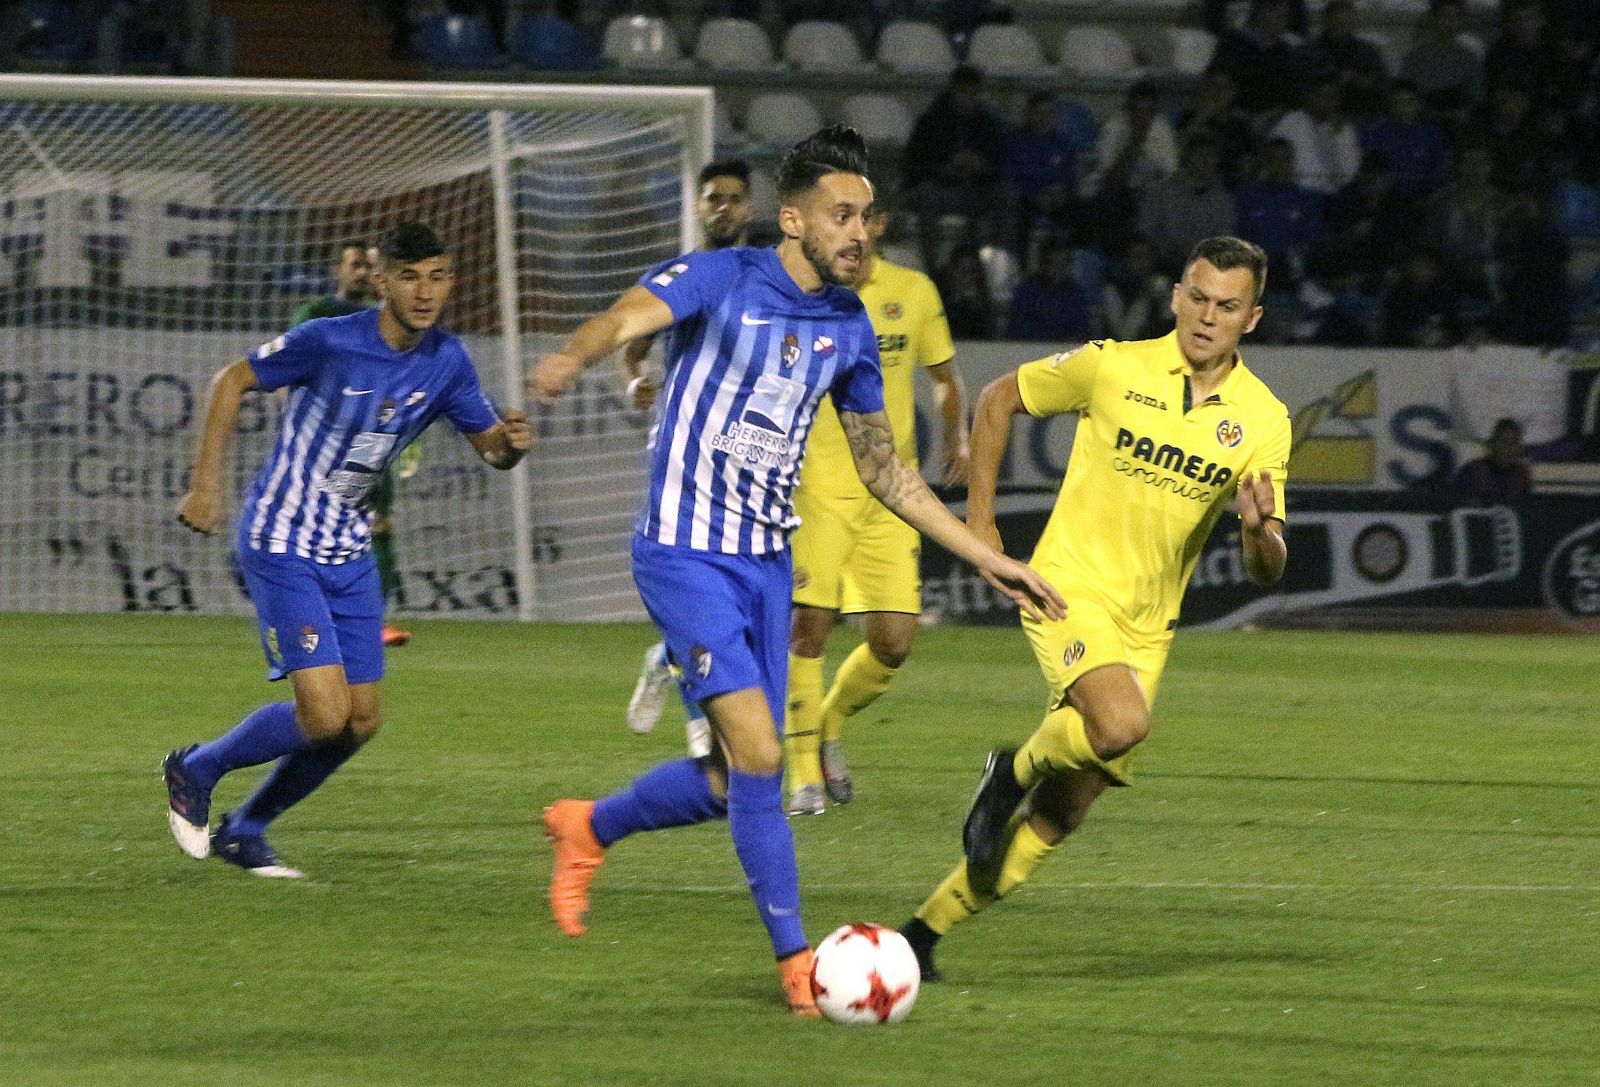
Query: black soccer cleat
[250,852]
[922,940]
[188,805]
[984,835]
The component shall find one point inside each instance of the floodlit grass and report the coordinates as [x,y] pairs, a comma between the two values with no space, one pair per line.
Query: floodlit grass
[1349,859]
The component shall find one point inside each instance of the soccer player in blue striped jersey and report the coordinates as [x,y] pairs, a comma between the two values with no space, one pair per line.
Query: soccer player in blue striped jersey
[758,337]
[361,388]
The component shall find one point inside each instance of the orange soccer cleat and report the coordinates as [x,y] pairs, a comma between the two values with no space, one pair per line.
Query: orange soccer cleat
[795,973]
[394,636]
[578,856]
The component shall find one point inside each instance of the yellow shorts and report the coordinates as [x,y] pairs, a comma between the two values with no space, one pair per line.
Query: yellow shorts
[1088,638]
[853,555]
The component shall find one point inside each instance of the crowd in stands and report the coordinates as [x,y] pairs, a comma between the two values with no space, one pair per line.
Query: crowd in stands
[1422,198]
[124,36]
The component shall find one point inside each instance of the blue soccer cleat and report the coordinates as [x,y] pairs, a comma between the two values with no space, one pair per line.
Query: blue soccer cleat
[250,852]
[188,805]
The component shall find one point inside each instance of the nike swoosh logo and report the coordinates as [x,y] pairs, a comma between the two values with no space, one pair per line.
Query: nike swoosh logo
[348,391]
[745,318]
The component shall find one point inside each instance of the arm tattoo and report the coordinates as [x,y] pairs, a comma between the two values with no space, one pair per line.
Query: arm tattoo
[889,479]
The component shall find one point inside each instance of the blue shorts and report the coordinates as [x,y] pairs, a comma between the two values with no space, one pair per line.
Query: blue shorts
[725,618]
[314,613]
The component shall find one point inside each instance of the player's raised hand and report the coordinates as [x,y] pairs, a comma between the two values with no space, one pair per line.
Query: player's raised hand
[518,432]
[204,511]
[552,377]
[1024,587]
[1255,502]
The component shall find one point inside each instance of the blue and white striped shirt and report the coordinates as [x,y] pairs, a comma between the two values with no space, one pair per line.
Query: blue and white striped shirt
[355,404]
[749,358]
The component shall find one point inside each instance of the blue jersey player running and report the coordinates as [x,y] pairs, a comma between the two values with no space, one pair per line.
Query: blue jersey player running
[361,388]
[758,337]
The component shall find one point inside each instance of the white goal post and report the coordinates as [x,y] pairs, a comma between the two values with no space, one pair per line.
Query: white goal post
[154,230]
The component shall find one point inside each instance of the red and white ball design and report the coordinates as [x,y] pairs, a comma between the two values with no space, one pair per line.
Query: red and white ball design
[865,973]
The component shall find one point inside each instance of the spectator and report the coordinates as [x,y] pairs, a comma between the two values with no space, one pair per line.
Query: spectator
[1522,51]
[1136,302]
[1327,152]
[1535,307]
[1416,150]
[952,162]
[1215,113]
[965,290]
[1447,69]
[1464,222]
[1178,211]
[1524,151]
[1280,216]
[1421,308]
[1502,474]
[1340,54]
[1040,167]
[1049,304]
[1262,57]
[1137,147]
[144,36]
[1368,229]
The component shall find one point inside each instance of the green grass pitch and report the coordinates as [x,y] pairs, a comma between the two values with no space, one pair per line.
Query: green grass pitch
[1349,859]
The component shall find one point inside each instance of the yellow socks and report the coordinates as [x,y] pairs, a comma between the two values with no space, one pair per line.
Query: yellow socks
[802,733]
[954,900]
[860,680]
[1060,743]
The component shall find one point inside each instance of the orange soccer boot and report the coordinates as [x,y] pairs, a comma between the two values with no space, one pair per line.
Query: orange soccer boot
[578,856]
[795,973]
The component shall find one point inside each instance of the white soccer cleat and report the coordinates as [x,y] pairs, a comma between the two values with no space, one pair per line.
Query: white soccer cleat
[650,693]
[807,800]
[193,840]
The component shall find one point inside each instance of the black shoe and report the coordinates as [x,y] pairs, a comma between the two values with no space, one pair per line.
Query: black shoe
[983,836]
[250,852]
[922,939]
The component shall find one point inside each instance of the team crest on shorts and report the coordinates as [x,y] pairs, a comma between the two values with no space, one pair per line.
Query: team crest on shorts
[309,639]
[791,350]
[893,311]
[272,645]
[1230,433]
[1073,655]
[701,656]
[386,412]
[802,577]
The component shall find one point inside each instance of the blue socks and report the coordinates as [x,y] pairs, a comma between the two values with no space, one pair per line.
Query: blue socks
[766,850]
[268,733]
[294,778]
[673,794]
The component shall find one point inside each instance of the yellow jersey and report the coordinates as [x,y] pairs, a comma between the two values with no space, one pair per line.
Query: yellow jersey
[1150,472]
[908,316]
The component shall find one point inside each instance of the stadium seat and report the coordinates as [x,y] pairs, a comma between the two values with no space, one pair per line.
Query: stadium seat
[640,41]
[1099,52]
[1005,49]
[819,45]
[913,48]
[1189,49]
[735,45]
[880,118]
[552,45]
[781,118]
[456,41]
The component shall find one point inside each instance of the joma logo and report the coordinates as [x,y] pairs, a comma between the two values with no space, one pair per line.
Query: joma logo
[1147,401]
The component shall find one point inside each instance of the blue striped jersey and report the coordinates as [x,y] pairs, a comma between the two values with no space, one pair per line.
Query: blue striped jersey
[354,403]
[749,357]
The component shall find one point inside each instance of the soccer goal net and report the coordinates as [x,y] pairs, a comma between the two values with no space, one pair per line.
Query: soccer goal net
[153,231]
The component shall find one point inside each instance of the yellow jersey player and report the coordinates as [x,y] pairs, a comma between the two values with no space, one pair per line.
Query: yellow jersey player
[852,555]
[1169,431]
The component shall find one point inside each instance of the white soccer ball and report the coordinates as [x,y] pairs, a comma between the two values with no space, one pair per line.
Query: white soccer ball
[865,973]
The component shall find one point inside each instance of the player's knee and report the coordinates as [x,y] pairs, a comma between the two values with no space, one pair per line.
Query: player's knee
[891,650]
[364,725]
[324,719]
[1118,730]
[762,758]
[807,643]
